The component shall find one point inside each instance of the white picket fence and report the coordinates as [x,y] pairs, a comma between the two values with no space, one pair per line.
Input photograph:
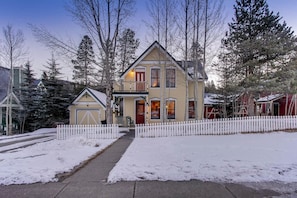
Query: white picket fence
[217,126]
[109,131]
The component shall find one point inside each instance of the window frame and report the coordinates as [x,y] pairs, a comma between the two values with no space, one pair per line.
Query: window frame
[194,109]
[167,109]
[158,110]
[170,81]
[158,78]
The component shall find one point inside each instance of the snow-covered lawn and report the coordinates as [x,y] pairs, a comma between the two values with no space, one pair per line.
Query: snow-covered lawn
[43,161]
[231,158]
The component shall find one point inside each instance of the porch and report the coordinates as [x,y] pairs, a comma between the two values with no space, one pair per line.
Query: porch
[130,103]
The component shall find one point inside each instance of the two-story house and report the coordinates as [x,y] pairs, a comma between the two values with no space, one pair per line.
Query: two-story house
[157,88]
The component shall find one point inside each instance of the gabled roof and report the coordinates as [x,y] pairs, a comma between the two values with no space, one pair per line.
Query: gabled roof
[178,64]
[213,99]
[98,96]
[201,72]
[17,104]
[269,98]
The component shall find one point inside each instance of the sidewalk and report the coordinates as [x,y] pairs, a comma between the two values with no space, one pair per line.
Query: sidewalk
[90,181]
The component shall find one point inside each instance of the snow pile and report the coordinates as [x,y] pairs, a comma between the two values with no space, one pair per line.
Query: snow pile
[41,162]
[233,158]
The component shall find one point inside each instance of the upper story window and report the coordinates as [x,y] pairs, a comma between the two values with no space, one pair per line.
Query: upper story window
[170,78]
[155,77]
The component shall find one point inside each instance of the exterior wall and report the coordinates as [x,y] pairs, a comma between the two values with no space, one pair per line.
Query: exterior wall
[200,97]
[158,60]
[85,103]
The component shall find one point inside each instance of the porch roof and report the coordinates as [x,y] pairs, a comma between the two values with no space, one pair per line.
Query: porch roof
[270,98]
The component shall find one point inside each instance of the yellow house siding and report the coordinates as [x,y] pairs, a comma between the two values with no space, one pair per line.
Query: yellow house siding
[129,107]
[86,98]
[154,58]
[154,55]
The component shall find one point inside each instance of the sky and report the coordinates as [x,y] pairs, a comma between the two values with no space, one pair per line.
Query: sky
[53,15]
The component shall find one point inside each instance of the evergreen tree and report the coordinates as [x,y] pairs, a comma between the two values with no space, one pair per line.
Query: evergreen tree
[127,47]
[42,112]
[260,43]
[84,63]
[55,98]
[27,97]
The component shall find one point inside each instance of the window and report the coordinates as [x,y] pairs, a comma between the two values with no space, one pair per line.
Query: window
[191,109]
[170,78]
[170,108]
[155,109]
[155,77]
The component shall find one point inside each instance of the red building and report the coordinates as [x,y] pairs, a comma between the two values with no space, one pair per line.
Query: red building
[277,105]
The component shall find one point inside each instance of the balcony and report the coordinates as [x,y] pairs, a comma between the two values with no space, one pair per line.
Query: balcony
[132,88]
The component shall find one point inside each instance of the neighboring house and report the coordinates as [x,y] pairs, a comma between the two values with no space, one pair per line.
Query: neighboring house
[213,105]
[277,105]
[153,89]
[88,108]
[243,105]
[16,105]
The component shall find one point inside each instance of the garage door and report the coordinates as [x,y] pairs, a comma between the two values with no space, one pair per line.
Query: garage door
[88,116]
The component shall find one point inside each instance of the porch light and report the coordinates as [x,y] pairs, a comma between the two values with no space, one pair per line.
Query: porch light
[132,72]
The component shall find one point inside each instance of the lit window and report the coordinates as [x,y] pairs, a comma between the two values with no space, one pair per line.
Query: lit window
[191,109]
[155,109]
[155,77]
[170,107]
[170,78]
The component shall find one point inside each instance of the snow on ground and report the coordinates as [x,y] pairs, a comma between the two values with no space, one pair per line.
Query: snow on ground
[231,158]
[24,136]
[41,162]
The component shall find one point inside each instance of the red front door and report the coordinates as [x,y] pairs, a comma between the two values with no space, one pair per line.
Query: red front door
[140,81]
[140,111]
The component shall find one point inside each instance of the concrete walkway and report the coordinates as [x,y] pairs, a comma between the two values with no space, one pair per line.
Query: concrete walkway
[90,181]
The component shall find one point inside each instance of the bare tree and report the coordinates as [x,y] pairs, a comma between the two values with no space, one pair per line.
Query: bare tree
[208,20]
[162,28]
[102,21]
[67,49]
[13,52]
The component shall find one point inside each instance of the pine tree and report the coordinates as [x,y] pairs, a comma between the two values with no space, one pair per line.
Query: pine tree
[27,97]
[55,98]
[84,63]
[42,112]
[127,47]
[260,42]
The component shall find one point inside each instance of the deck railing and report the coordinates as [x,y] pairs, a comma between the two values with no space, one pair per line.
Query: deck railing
[109,131]
[217,126]
[133,86]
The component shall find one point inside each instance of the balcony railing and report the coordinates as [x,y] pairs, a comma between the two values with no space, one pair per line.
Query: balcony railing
[133,86]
